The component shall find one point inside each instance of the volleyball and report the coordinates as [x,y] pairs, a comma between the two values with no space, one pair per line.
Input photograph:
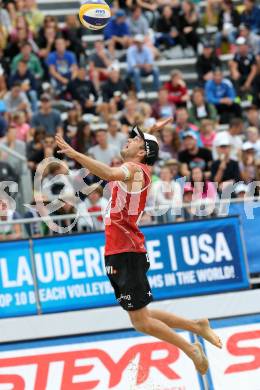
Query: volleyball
[94,14]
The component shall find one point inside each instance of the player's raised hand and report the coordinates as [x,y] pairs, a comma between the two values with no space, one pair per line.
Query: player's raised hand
[65,148]
[161,124]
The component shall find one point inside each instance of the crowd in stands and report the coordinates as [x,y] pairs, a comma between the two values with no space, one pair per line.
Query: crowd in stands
[53,81]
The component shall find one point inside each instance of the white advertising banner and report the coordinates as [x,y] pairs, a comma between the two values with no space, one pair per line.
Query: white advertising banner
[120,362]
[237,366]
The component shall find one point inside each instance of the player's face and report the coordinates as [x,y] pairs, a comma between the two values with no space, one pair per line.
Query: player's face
[133,148]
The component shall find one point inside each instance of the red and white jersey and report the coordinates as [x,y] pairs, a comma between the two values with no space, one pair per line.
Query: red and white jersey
[123,213]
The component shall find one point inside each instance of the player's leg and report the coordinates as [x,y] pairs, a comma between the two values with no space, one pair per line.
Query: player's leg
[200,327]
[145,323]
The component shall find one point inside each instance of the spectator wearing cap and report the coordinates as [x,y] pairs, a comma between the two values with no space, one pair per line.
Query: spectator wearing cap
[183,125]
[99,63]
[252,134]
[33,62]
[192,155]
[83,90]
[252,38]
[241,190]
[140,63]
[200,109]
[62,66]
[234,135]
[178,91]
[220,92]
[224,170]
[137,22]
[47,117]
[243,68]
[117,32]
[103,151]
[114,90]
[229,20]
[247,164]
[251,15]
[162,107]
[207,63]
[27,81]
[16,100]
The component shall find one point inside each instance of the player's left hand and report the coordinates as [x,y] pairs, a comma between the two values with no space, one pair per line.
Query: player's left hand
[161,124]
[65,148]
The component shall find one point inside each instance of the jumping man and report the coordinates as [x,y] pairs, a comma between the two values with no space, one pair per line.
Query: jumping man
[126,259]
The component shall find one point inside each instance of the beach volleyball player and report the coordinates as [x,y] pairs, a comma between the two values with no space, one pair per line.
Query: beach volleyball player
[125,255]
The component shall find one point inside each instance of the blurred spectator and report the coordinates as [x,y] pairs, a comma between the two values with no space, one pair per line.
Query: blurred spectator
[47,117]
[73,33]
[224,170]
[137,22]
[166,195]
[46,37]
[207,63]
[251,38]
[221,93]
[19,122]
[16,145]
[207,133]
[17,39]
[33,62]
[83,91]
[99,63]
[162,107]
[243,68]
[234,136]
[247,164]
[253,116]
[211,15]
[174,166]
[35,148]
[253,137]
[115,137]
[9,231]
[62,66]
[251,15]
[5,20]
[127,118]
[149,8]
[3,87]
[33,15]
[183,125]
[3,127]
[117,32]
[166,27]
[228,23]
[188,24]
[178,91]
[28,83]
[94,203]
[71,124]
[147,113]
[114,91]
[103,151]
[16,100]
[201,186]
[170,143]
[84,138]
[200,109]
[192,155]
[140,63]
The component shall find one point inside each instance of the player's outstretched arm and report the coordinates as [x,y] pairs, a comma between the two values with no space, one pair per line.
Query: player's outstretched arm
[97,168]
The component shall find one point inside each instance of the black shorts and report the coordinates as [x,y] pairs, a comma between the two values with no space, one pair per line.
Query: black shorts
[127,274]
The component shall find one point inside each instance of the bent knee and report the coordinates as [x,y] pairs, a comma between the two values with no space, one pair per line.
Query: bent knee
[142,326]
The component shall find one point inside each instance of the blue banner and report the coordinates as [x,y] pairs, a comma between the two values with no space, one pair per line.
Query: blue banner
[186,259]
[17,295]
[249,213]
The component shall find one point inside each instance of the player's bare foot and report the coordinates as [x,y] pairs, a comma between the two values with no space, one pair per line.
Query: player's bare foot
[205,331]
[199,359]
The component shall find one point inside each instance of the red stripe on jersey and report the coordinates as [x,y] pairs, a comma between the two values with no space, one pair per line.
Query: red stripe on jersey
[123,212]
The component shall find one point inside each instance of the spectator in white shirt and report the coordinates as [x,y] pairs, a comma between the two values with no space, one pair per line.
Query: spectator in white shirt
[103,151]
[115,137]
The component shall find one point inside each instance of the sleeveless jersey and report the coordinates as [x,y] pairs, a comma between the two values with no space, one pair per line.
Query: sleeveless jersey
[122,215]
